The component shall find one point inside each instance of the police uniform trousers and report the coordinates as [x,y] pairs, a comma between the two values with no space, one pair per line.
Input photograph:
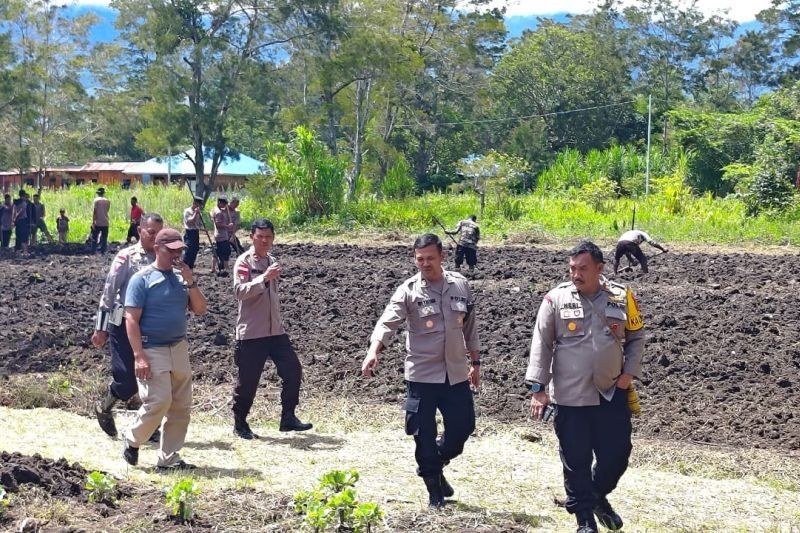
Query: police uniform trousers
[166,396]
[471,255]
[6,238]
[191,238]
[250,356]
[100,233]
[22,232]
[628,249]
[458,414]
[603,430]
[223,250]
[123,385]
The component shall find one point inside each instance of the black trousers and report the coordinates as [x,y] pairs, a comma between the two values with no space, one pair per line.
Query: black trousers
[22,233]
[133,232]
[123,385]
[628,249]
[6,238]
[191,238]
[223,250]
[470,253]
[100,233]
[458,414]
[603,430]
[250,356]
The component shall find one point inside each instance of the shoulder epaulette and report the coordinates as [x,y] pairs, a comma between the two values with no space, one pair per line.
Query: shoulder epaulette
[564,285]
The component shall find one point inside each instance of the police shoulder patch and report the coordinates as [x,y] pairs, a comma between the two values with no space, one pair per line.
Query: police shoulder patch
[635,321]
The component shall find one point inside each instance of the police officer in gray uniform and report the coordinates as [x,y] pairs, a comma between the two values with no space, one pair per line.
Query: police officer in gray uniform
[110,326]
[587,347]
[441,364]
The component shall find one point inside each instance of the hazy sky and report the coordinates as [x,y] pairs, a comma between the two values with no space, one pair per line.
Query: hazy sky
[740,10]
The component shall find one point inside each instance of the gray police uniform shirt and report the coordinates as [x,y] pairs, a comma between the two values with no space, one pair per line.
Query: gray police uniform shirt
[259,303]
[469,233]
[127,262]
[439,332]
[221,219]
[191,219]
[582,344]
[635,235]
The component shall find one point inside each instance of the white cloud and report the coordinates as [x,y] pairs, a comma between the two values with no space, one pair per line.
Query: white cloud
[740,10]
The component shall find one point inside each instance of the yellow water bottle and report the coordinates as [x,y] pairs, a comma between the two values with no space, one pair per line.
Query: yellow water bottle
[633,401]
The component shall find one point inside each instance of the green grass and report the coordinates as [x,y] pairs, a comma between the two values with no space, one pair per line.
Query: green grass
[538,216]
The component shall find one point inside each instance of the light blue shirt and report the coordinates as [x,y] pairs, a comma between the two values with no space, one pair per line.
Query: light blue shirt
[163,298]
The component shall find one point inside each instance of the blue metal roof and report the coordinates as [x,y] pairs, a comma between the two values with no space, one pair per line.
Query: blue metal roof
[233,164]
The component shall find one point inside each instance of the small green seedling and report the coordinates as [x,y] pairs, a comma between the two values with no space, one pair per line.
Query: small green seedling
[181,498]
[3,500]
[102,487]
[335,503]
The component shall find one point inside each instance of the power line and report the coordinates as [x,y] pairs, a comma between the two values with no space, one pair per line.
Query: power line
[511,119]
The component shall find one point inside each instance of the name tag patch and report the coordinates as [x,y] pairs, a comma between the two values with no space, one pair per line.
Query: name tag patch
[566,314]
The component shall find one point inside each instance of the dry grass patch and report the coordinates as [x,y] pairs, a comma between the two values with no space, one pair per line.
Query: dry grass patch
[507,479]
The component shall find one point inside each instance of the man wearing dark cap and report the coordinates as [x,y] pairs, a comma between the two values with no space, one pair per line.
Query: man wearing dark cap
[155,317]
[223,227]
[192,222]
[100,222]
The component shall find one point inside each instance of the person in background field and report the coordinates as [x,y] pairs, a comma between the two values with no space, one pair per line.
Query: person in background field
[38,221]
[100,221]
[156,302]
[587,346]
[468,242]
[6,222]
[260,334]
[629,245]
[62,226]
[236,220]
[192,223]
[222,235]
[136,219]
[22,226]
[442,364]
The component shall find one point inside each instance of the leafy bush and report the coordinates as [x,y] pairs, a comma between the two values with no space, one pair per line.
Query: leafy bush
[102,487]
[399,182]
[334,504]
[181,497]
[312,178]
[599,193]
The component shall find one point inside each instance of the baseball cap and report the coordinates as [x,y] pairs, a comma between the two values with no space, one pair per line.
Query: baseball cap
[222,199]
[170,238]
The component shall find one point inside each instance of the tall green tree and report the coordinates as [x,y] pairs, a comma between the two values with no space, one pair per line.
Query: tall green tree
[195,53]
[558,69]
[47,102]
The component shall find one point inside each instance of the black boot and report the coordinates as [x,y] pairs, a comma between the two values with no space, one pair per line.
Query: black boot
[289,422]
[435,496]
[105,418]
[586,523]
[242,429]
[447,489]
[606,515]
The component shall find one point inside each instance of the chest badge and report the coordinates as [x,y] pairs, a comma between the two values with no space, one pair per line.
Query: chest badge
[572,326]
[429,323]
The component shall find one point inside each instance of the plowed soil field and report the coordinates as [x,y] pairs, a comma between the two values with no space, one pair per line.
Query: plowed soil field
[722,362]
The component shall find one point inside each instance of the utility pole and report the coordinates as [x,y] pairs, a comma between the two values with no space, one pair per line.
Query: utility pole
[649,119]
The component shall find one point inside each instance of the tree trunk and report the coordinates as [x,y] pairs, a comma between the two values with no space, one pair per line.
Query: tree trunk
[363,88]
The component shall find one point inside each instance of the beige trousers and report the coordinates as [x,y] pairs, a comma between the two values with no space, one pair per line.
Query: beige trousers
[166,395]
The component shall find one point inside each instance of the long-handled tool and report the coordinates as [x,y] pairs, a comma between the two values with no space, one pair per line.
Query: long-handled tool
[629,268]
[445,230]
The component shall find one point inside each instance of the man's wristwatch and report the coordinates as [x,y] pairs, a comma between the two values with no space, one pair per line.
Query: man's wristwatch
[193,284]
[537,387]
[475,362]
